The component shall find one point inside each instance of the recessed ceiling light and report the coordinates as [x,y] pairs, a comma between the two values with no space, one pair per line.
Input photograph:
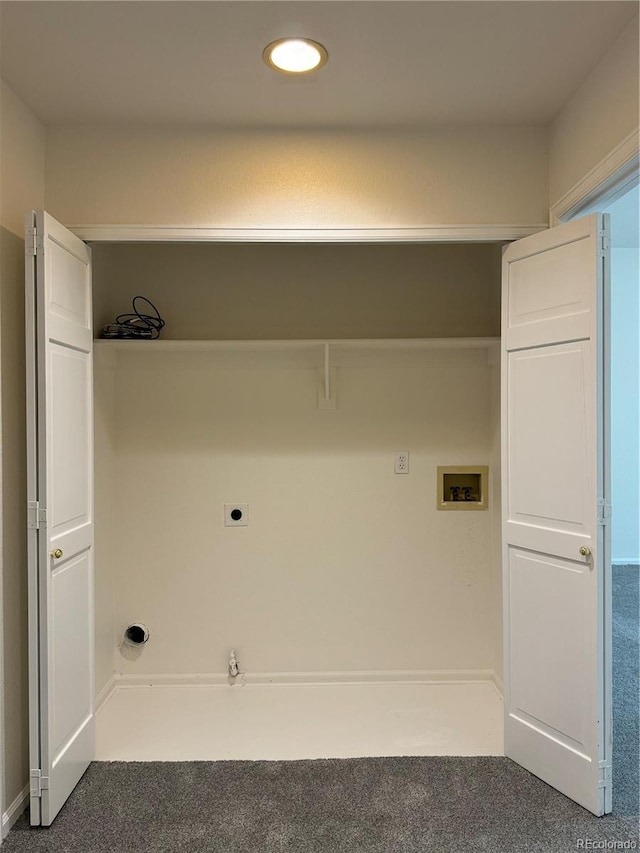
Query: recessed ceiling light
[295,55]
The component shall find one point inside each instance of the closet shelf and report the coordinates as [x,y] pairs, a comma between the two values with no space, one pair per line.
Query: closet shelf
[324,356]
[369,344]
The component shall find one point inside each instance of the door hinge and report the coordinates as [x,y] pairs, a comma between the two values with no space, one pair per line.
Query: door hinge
[604,511]
[36,515]
[604,245]
[605,774]
[39,783]
[30,242]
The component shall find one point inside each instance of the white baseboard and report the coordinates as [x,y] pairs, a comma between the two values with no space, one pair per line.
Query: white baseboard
[104,694]
[284,679]
[14,811]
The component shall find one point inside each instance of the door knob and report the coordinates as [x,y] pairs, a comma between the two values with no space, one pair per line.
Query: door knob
[56,554]
[585,551]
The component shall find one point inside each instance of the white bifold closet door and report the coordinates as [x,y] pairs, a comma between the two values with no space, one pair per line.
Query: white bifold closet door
[556,561]
[60,512]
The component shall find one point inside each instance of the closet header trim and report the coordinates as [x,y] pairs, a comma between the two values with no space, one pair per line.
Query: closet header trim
[425,234]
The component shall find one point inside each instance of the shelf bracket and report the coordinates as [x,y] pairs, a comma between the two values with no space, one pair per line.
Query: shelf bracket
[327,374]
[327,391]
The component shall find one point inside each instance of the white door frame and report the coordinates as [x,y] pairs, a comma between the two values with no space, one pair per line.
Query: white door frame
[611,178]
[614,176]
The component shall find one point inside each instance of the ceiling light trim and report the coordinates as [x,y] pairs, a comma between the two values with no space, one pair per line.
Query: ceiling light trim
[267,55]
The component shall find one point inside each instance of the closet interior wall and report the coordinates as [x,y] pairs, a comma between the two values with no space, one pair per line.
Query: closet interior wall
[344,567]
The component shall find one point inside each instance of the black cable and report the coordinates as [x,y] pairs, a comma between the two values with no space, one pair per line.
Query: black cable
[136,324]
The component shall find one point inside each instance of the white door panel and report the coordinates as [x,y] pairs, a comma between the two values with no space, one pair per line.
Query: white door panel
[547,303]
[70,405]
[69,314]
[549,662]
[60,495]
[548,445]
[71,592]
[573,328]
[555,486]
[548,288]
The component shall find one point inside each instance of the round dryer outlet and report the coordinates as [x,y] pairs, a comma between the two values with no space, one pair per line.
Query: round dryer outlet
[236,515]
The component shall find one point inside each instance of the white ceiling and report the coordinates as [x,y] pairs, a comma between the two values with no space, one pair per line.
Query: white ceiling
[390,63]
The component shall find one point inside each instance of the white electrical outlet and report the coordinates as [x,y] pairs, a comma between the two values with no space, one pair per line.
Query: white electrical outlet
[236,515]
[401,464]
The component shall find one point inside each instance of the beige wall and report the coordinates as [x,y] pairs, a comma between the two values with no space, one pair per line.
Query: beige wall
[22,181]
[322,462]
[312,291]
[22,144]
[598,117]
[297,178]
[344,566]
[105,497]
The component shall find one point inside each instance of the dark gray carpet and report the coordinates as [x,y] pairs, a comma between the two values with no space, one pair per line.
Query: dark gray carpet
[626,689]
[367,805]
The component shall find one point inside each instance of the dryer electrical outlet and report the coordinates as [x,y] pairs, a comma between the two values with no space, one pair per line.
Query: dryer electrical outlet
[236,515]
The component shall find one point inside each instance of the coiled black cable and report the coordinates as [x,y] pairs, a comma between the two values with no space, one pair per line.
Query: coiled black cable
[136,324]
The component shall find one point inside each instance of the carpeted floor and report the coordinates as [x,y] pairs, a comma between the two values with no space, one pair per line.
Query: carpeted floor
[366,805]
[626,689]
